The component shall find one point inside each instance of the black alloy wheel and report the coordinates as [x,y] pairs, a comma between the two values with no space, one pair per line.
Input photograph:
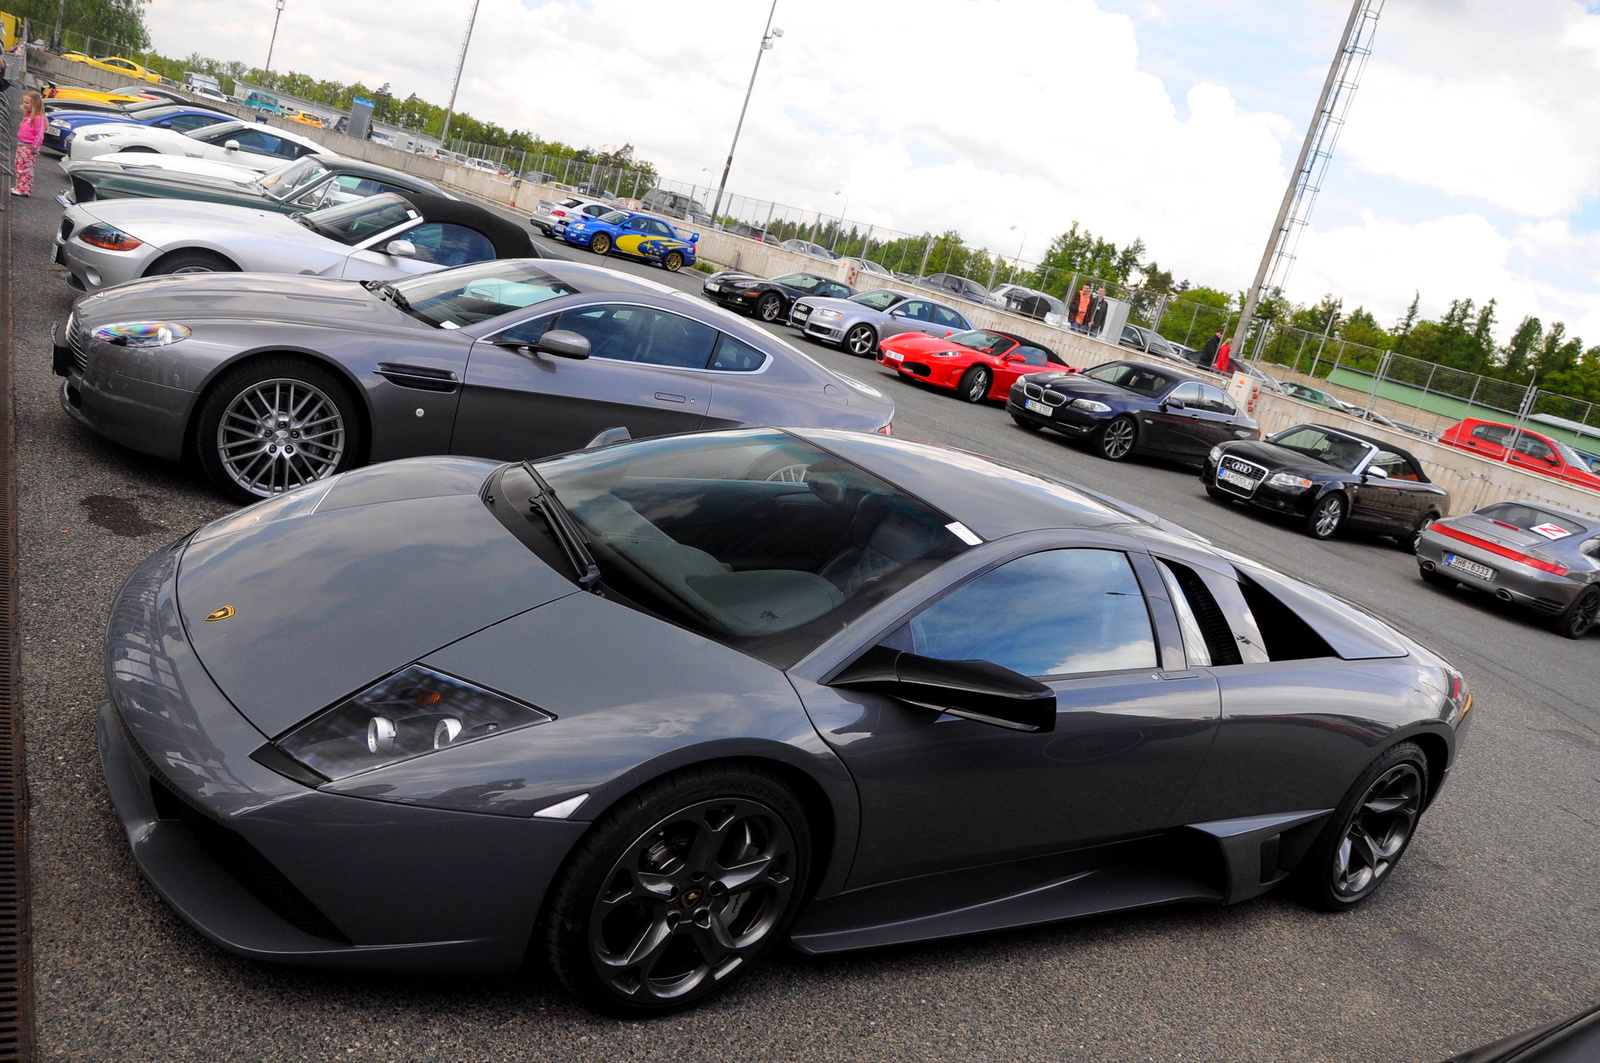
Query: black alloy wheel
[1023,422]
[770,307]
[600,243]
[1325,517]
[974,385]
[1369,831]
[1408,542]
[1117,438]
[861,340]
[673,262]
[679,890]
[1577,619]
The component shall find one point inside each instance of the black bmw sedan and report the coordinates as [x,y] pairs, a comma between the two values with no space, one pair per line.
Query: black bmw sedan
[1128,408]
[771,298]
[1329,479]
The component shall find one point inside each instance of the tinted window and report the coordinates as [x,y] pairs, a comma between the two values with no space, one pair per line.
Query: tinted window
[917,310]
[661,228]
[1534,447]
[1139,379]
[1053,613]
[186,122]
[640,224]
[642,334]
[1216,400]
[832,290]
[1339,451]
[1032,355]
[948,318]
[877,300]
[1493,433]
[736,356]
[253,140]
[1398,466]
[1187,393]
[449,245]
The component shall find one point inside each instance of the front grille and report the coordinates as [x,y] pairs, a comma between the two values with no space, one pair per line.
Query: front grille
[235,855]
[917,368]
[78,340]
[1039,394]
[1258,473]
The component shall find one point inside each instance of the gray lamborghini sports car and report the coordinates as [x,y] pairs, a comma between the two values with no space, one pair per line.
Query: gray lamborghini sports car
[275,381]
[645,711]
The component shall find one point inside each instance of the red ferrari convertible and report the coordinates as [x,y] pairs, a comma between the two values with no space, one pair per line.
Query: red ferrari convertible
[975,365]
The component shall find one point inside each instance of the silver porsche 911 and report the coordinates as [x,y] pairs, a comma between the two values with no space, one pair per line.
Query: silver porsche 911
[275,381]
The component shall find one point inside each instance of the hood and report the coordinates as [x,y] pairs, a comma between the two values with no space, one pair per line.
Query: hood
[1087,387]
[1282,459]
[163,221]
[735,276]
[174,183]
[154,163]
[337,584]
[283,298]
[842,305]
[918,343]
[75,116]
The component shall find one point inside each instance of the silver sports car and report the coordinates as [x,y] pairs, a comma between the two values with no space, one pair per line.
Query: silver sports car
[1545,559]
[859,322]
[278,380]
[376,238]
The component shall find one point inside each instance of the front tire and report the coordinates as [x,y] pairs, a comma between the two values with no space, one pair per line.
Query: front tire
[679,890]
[191,262]
[1117,439]
[274,424]
[600,243]
[861,341]
[770,307]
[1325,517]
[1368,833]
[1577,619]
[673,262]
[974,385]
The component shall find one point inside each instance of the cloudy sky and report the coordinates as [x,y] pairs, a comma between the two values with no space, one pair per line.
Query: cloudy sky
[1470,166]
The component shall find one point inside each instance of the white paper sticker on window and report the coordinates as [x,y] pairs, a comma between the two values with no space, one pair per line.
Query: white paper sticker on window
[1550,531]
[962,532]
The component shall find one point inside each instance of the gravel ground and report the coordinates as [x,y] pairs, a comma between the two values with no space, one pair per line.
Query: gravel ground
[1491,924]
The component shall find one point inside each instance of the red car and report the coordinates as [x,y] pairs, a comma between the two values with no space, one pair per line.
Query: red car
[1528,450]
[975,365]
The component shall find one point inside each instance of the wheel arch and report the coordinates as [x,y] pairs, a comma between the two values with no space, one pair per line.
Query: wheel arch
[357,393]
[1438,750]
[149,271]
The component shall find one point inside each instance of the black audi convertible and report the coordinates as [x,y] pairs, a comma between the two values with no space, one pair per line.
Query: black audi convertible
[1123,408]
[770,298]
[1328,479]
[647,710]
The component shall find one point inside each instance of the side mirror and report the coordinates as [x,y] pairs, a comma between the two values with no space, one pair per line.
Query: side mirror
[974,690]
[608,437]
[1378,474]
[1173,404]
[232,145]
[563,344]
[897,313]
[401,249]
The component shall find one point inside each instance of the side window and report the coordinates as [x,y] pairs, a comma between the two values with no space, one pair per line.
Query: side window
[1187,393]
[1216,400]
[255,140]
[185,123]
[448,245]
[1492,433]
[642,334]
[736,356]
[1535,448]
[1032,355]
[529,332]
[1397,466]
[948,318]
[1058,612]
[594,210]
[661,228]
[835,291]
[917,310]
[637,224]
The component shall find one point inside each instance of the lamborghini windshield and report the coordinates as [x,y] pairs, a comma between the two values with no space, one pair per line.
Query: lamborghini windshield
[755,537]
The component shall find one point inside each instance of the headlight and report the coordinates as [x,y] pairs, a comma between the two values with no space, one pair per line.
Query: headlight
[142,333]
[1090,406]
[411,713]
[1215,456]
[1288,480]
[829,315]
[944,354]
[109,237]
[89,138]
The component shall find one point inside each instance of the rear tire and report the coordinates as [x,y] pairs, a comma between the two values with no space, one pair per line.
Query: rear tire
[1368,833]
[673,262]
[1408,543]
[974,384]
[1577,619]
[196,261]
[600,243]
[602,912]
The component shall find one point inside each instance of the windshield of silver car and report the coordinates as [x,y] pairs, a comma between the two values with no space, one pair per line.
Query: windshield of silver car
[285,181]
[361,219]
[881,299]
[469,294]
[754,537]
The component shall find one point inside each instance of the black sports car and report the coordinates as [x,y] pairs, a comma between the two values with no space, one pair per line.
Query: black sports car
[770,298]
[1128,408]
[645,711]
[1329,479]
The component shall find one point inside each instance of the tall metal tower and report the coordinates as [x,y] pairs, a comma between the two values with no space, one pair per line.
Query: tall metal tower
[455,86]
[1294,213]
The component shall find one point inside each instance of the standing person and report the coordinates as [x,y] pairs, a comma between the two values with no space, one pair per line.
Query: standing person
[1208,354]
[1097,312]
[1080,308]
[1223,360]
[30,134]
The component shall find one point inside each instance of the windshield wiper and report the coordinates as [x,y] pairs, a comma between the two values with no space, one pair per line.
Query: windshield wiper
[562,528]
[305,219]
[385,290]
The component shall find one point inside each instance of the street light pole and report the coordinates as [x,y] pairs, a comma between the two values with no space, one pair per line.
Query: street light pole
[455,86]
[766,43]
[274,44]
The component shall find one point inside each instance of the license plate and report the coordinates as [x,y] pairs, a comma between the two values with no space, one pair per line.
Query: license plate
[1038,407]
[801,316]
[891,356]
[713,287]
[1469,567]
[1237,479]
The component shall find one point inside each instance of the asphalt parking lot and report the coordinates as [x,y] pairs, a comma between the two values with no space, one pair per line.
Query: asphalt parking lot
[1491,924]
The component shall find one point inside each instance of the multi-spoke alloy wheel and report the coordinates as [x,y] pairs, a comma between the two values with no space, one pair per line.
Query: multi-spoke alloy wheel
[1580,617]
[974,385]
[1116,439]
[691,898]
[1326,517]
[770,307]
[1378,831]
[678,890]
[279,434]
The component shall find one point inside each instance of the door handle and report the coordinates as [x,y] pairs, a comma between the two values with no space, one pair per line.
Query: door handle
[666,397]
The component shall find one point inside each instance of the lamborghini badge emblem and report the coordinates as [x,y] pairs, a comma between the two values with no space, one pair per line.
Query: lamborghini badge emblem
[220,614]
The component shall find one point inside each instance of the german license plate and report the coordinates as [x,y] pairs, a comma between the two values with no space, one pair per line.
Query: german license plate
[1038,407]
[892,356]
[1472,568]
[713,287]
[1236,479]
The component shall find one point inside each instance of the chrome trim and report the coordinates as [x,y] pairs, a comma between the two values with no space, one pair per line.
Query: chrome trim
[1223,485]
[1041,394]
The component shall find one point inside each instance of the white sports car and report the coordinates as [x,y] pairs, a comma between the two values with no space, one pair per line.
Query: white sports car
[258,147]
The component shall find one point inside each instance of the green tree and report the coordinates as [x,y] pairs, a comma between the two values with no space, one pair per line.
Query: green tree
[114,25]
[1516,355]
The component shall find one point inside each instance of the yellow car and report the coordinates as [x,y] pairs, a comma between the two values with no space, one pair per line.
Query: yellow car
[70,95]
[116,65]
[303,117]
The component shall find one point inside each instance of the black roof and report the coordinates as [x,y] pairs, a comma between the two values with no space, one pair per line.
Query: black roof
[509,240]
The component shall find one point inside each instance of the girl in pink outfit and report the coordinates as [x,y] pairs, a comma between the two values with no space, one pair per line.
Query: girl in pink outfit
[30,134]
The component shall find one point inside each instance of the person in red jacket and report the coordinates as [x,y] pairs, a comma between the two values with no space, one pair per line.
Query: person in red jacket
[1222,357]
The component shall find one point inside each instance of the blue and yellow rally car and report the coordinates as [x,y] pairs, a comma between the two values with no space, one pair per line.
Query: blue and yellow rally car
[638,235]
